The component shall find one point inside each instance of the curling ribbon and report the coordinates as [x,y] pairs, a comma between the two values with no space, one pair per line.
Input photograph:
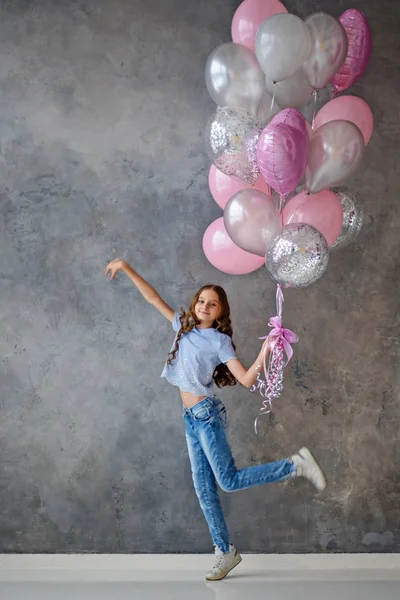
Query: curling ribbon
[280,345]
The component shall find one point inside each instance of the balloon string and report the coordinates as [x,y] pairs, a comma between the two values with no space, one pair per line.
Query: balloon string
[262,112]
[279,300]
[315,94]
[272,103]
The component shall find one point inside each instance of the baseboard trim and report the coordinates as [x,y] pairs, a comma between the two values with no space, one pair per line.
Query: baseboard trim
[166,567]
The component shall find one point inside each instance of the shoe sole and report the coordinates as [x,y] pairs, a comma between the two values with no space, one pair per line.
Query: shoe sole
[306,452]
[237,562]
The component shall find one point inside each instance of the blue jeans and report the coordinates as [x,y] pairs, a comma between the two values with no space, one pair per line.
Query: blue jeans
[212,462]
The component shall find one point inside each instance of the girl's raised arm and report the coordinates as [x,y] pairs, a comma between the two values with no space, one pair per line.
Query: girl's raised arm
[147,291]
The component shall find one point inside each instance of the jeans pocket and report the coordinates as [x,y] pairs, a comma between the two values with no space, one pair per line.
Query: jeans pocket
[203,414]
[223,417]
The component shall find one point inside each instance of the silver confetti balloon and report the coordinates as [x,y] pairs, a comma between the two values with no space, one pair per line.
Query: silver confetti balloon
[353,216]
[231,137]
[297,256]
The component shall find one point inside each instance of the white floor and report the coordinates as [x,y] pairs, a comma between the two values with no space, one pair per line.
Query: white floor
[99,577]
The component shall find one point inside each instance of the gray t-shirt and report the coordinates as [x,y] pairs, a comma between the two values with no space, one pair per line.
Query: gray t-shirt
[200,352]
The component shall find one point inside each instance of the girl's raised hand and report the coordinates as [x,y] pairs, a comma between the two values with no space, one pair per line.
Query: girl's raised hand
[114,267]
[268,345]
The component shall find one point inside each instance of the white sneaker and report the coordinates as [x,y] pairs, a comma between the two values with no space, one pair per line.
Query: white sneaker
[307,466]
[224,563]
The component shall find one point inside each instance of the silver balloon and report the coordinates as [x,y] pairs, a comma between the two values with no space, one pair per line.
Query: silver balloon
[234,78]
[252,219]
[293,92]
[329,49]
[353,217]
[231,138]
[282,44]
[335,153]
[297,256]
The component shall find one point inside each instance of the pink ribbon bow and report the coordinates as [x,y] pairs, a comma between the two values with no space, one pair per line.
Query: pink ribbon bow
[280,334]
[281,341]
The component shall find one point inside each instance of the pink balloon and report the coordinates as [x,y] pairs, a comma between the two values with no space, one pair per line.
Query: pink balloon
[282,153]
[224,255]
[223,187]
[248,18]
[323,211]
[347,108]
[292,117]
[359,49]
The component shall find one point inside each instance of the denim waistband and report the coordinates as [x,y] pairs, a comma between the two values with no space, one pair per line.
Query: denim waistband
[209,401]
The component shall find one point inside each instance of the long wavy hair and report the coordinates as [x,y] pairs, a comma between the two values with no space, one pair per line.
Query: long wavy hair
[222,376]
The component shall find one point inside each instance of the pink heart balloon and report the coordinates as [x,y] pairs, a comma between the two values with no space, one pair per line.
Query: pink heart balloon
[224,255]
[359,49]
[292,117]
[282,155]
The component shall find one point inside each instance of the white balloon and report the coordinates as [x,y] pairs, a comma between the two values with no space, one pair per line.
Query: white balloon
[283,43]
[292,92]
[234,77]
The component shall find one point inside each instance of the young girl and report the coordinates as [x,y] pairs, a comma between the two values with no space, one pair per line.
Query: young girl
[203,354]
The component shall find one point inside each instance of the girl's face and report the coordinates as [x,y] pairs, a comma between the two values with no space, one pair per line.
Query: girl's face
[207,308]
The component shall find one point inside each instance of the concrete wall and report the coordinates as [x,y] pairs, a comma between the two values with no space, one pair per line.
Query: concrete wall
[102,108]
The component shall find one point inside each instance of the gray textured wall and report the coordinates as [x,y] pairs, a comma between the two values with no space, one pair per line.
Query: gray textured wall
[102,107]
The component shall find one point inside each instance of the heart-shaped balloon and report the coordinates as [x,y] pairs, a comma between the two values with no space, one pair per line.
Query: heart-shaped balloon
[359,51]
[335,153]
[292,117]
[252,219]
[282,154]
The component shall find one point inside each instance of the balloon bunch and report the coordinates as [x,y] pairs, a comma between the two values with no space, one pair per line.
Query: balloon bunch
[258,139]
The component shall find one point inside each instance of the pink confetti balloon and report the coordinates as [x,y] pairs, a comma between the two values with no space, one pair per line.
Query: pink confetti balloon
[223,187]
[248,18]
[224,255]
[322,211]
[282,153]
[359,49]
[347,108]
